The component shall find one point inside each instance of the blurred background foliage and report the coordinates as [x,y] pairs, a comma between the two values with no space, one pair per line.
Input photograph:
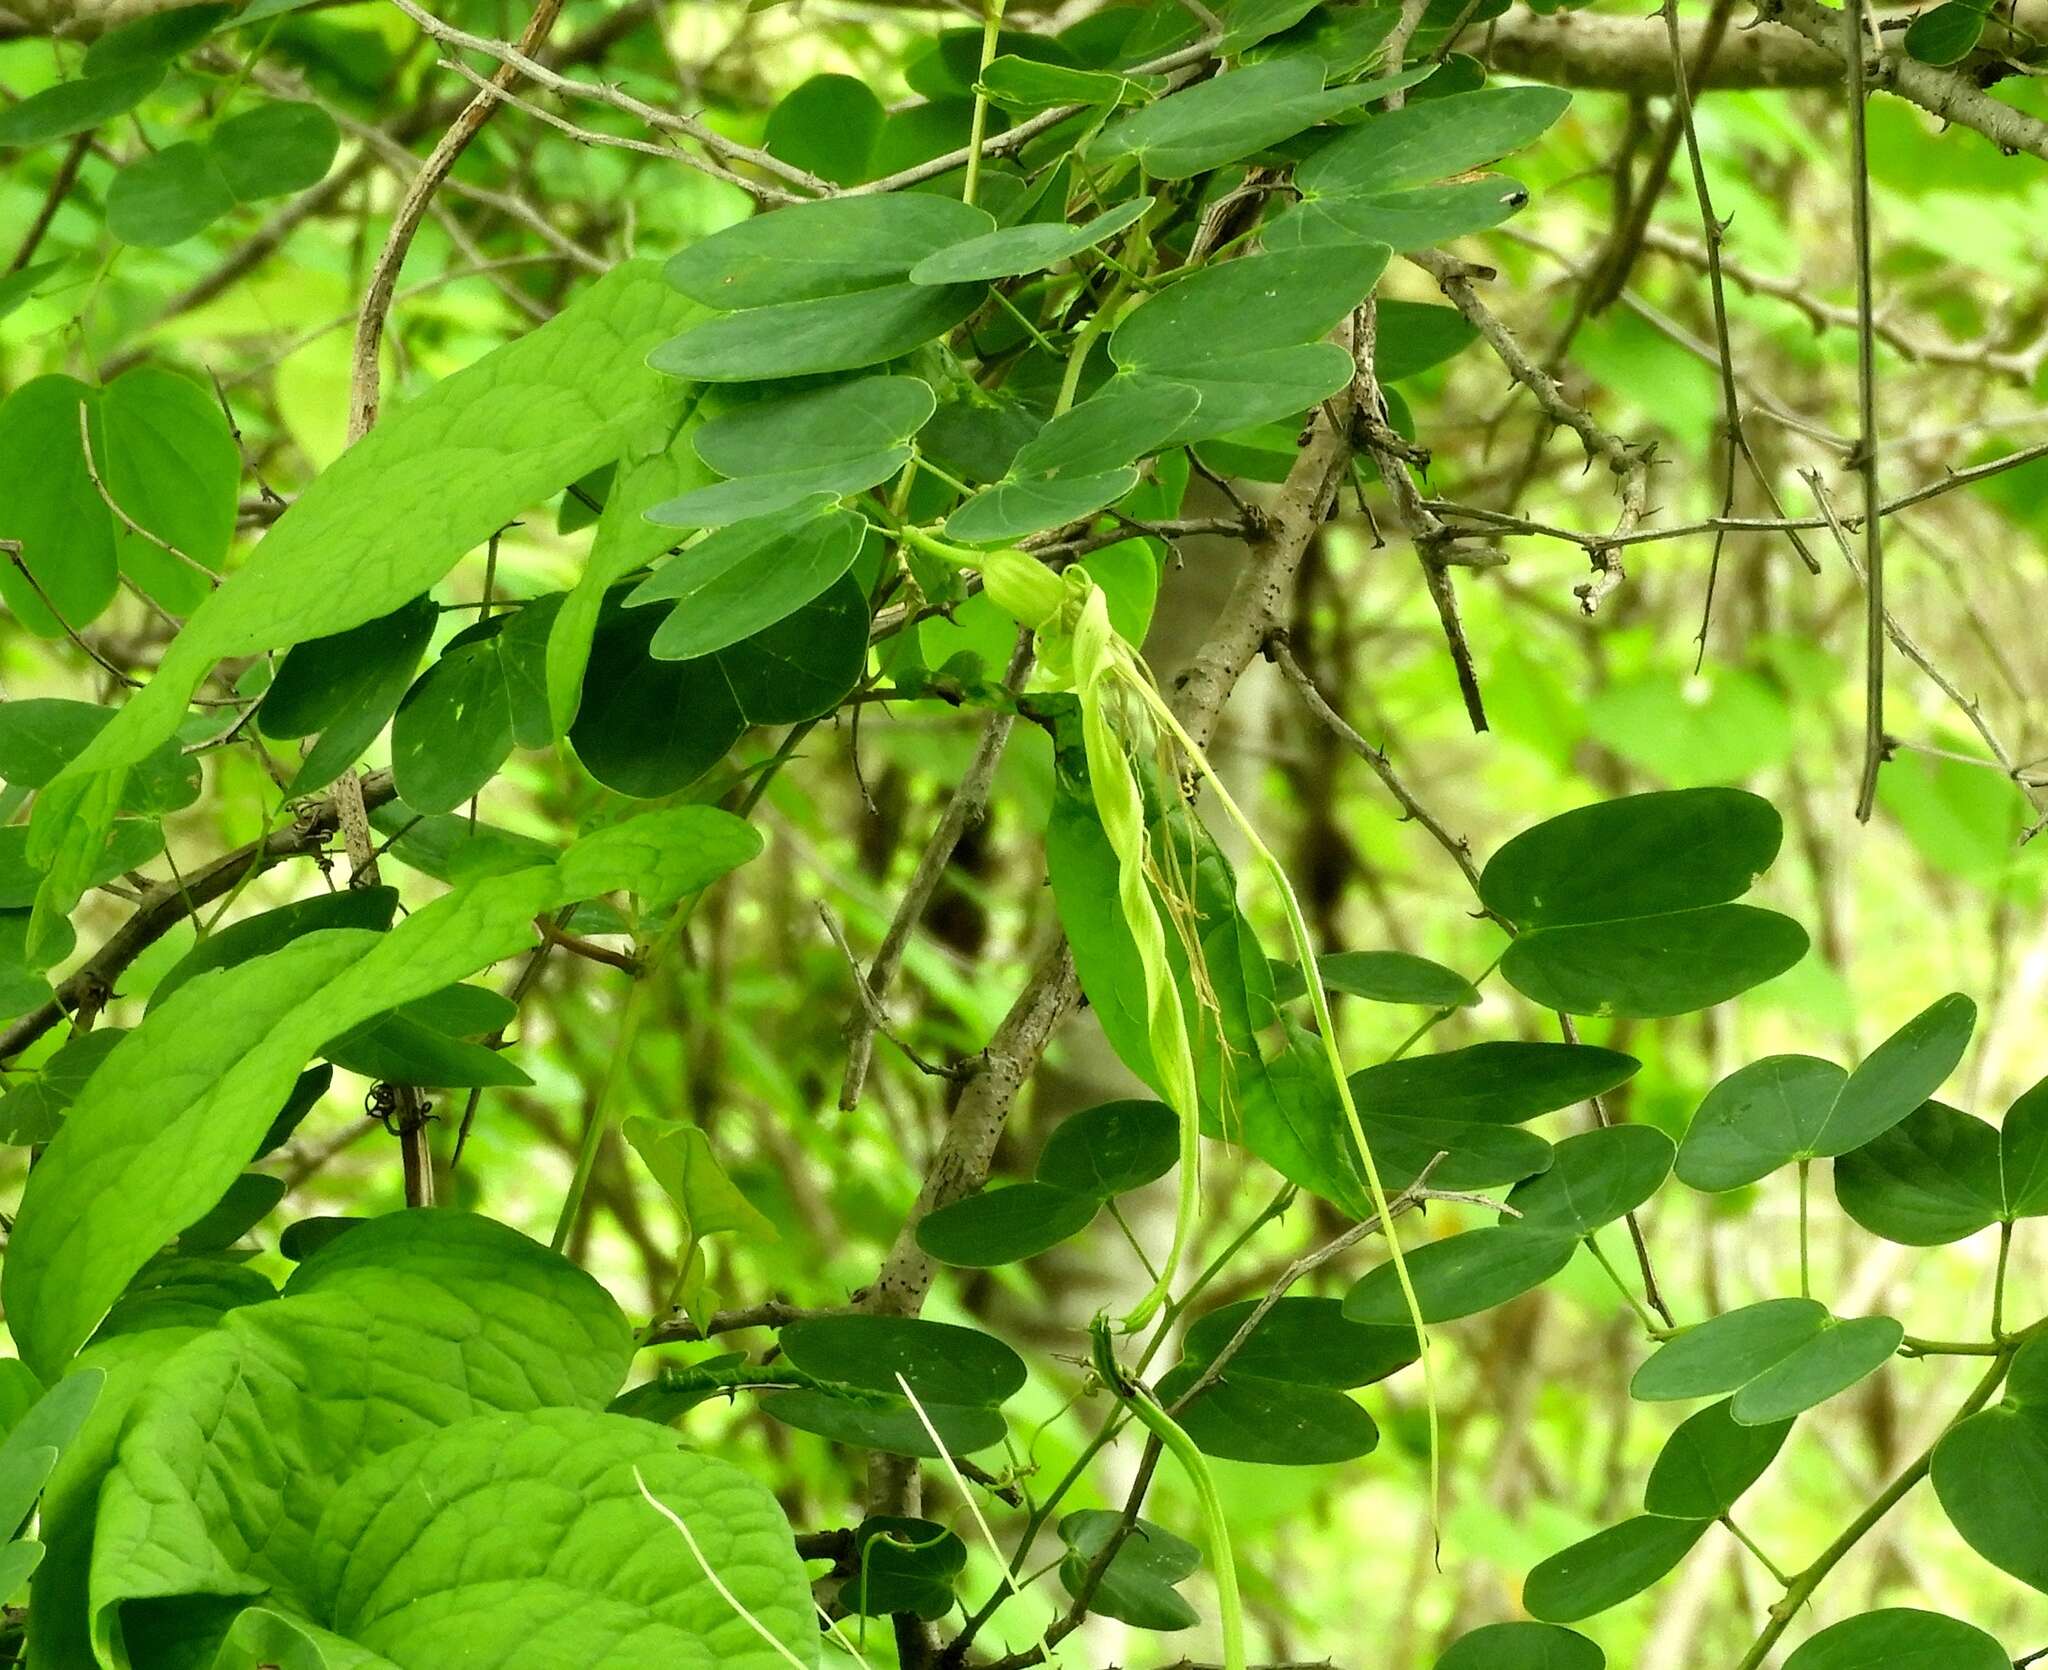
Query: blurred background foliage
[1938,891]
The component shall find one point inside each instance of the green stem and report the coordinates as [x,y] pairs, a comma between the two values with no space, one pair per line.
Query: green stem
[1801,1588]
[977,133]
[1096,323]
[1749,1542]
[1643,1315]
[1805,1268]
[1998,1280]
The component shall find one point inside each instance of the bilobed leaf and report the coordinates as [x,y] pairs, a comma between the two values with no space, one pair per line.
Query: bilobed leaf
[176,1110]
[1708,1463]
[436,478]
[903,1565]
[1609,1567]
[1522,1646]
[1010,251]
[811,251]
[1898,1637]
[1462,1275]
[748,575]
[1111,1148]
[538,1542]
[1005,1225]
[1786,1108]
[1594,1178]
[1728,1351]
[1625,909]
[167,196]
[278,147]
[1138,1588]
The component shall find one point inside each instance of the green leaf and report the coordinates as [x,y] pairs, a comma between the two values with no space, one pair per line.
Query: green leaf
[1991,1472]
[74,106]
[231,1457]
[828,125]
[370,908]
[1946,34]
[659,856]
[1006,512]
[1270,1422]
[679,1157]
[346,687]
[1380,977]
[649,728]
[1522,1646]
[1728,1351]
[151,41]
[1933,1178]
[454,728]
[1594,1178]
[943,1363]
[1462,1275]
[1495,1083]
[1138,1586]
[167,196]
[537,1543]
[1265,386]
[18,286]
[1011,251]
[33,1112]
[1708,1463]
[1410,337]
[1234,310]
[1025,84]
[248,1201]
[40,735]
[1124,421]
[1111,1148]
[1834,1360]
[37,1442]
[1899,1637]
[1005,1225]
[278,147]
[174,1113]
[1796,1107]
[839,423]
[746,577]
[1234,115]
[813,251]
[131,842]
[1305,1342]
[829,333]
[1624,904]
[1609,1567]
[435,479]
[2023,1154]
[170,461]
[49,504]
[1430,139]
[888,1424]
[903,1565]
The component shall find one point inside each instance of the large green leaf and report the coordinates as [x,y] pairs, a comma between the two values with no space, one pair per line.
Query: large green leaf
[537,1546]
[1609,1567]
[1796,1107]
[811,251]
[830,333]
[1138,1588]
[1625,909]
[49,504]
[1224,314]
[1934,1177]
[1005,1225]
[1779,1357]
[745,577]
[437,478]
[177,1109]
[1010,251]
[40,735]
[659,856]
[404,1325]
[1111,1148]
[1991,1472]
[1899,1637]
